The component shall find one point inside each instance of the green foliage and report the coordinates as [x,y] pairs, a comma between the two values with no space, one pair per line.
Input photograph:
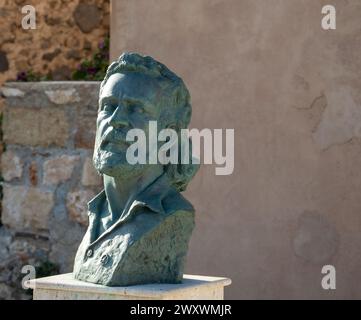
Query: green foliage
[95,68]
[46,268]
[25,76]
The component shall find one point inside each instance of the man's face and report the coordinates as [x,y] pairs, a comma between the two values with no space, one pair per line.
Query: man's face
[127,101]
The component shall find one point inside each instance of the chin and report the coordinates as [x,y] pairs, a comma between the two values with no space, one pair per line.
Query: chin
[115,165]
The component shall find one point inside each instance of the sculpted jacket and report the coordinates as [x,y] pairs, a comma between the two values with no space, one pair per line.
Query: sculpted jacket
[148,244]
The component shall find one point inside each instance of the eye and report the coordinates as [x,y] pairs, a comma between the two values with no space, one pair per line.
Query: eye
[108,108]
[138,109]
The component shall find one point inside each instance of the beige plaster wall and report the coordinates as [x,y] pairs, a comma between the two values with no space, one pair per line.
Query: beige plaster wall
[292,93]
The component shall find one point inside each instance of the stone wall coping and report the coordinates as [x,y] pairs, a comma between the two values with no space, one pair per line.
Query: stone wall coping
[15,89]
[42,94]
[50,82]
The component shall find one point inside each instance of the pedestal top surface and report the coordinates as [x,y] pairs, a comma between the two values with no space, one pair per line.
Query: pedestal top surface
[67,282]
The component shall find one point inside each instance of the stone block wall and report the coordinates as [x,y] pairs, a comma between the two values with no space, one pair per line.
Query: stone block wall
[48,176]
[67,31]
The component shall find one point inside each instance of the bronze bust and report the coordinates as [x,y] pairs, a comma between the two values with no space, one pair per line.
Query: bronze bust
[140,224]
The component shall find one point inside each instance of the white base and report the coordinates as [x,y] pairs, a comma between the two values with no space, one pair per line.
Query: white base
[65,287]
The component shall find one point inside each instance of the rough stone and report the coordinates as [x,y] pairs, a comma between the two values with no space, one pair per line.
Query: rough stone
[59,169]
[5,274]
[33,173]
[87,17]
[24,249]
[5,291]
[52,21]
[35,127]
[90,177]
[67,93]
[57,25]
[26,208]
[23,51]
[22,65]
[12,166]
[74,54]
[85,133]
[65,236]
[61,73]
[5,240]
[45,44]
[76,204]
[29,249]
[4,64]
[51,55]
[87,45]
[12,92]
[72,42]
[63,96]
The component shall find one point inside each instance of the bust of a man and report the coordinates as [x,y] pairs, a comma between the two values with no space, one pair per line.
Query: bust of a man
[140,224]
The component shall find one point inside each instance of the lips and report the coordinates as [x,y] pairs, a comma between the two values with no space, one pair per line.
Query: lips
[114,136]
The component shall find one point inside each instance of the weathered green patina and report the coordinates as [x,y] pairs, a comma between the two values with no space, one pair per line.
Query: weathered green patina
[140,224]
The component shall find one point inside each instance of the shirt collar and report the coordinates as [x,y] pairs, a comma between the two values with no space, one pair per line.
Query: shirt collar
[160,197]
[150,197]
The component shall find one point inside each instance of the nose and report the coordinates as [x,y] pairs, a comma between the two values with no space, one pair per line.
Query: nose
[119,118]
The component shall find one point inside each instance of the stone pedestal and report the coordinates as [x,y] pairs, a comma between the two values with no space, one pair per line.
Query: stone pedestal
[65,287]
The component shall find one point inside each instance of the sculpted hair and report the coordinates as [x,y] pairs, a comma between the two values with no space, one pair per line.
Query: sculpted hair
[176,98]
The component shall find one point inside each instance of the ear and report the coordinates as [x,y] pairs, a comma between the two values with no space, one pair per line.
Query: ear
[169,145]
[174,126]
